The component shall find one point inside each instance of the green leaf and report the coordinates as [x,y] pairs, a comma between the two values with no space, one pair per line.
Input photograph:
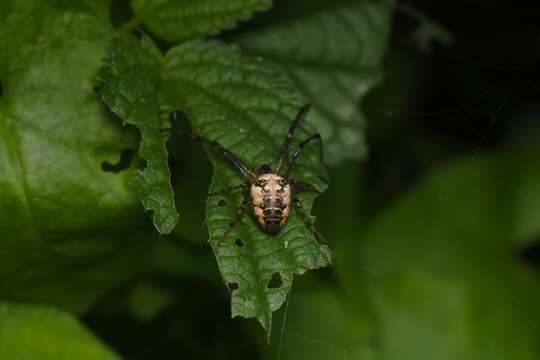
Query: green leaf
[131,80]
[41,333]
[525,194]
[332,51]
[98,7]
[177,20]
[70,231]
[147,300]
[248,107]
[439,269]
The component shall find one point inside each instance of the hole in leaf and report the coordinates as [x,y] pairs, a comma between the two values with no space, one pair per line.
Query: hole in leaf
[232,286]
[221,203]
[1,90]
[275,282]
[123,163]
[180,121]
[96,89]
[239,242]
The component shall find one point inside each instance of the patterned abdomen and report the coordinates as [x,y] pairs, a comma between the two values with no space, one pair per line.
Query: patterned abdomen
[271,199]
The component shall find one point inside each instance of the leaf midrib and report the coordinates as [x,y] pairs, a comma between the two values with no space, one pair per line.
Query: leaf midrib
[241,115]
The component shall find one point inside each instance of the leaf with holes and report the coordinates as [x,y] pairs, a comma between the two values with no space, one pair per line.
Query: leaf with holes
[332,52]
[42,333]
[247,106]
[70,231]
[176,20]
[131,79]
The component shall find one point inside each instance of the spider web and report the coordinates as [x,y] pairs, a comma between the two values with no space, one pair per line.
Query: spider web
[284,332]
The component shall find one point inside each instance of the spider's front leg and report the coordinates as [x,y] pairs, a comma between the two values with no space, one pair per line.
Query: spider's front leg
[300,148]
[235,219]
[285,147]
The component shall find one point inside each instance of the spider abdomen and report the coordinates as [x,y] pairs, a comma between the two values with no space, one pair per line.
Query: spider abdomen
[270,199]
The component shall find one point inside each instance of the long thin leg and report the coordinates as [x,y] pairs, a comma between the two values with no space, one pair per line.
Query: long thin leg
[285,147]
[229,189]
[299,186]
[299,149]
[235,220]
[235,160]
[308,221]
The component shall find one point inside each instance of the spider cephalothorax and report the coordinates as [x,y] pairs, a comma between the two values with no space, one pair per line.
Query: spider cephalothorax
[271,191]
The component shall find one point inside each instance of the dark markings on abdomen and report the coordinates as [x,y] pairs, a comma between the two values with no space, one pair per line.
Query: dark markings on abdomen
[273,214]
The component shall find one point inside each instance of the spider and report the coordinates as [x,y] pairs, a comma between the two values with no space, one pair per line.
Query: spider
[271,190]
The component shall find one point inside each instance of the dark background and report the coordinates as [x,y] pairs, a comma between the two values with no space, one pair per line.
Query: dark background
[478,93]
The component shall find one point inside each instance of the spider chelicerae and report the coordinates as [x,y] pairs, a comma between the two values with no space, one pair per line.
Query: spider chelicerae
[271,190]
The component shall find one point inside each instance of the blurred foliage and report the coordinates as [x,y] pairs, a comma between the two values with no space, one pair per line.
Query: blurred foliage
[435,236]
[35,332]
[305,40]
[69,230]
[197,17]
[441,275]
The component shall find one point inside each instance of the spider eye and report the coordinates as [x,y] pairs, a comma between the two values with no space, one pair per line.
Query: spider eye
[260,183]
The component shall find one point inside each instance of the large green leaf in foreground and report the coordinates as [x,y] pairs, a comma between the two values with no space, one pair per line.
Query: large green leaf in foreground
[131,82]
[176,20]
[248,107]
[41,333]
[332,51]
[69,230]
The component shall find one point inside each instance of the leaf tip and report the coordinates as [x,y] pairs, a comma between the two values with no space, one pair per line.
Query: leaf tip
[165,227]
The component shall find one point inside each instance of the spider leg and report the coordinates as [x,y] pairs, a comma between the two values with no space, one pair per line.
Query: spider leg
[300,186]
[308,222]
[234,220]
[235,160]
[229,189]
[285,147]
[299,149]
